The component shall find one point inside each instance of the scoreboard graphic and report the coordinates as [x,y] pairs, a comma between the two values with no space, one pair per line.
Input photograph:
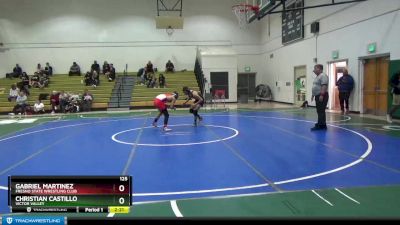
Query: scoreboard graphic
[61,194]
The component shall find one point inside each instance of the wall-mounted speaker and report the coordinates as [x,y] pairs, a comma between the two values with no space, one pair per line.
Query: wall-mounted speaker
[315,27]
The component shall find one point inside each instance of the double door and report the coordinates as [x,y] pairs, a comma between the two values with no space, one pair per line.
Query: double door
[376,78]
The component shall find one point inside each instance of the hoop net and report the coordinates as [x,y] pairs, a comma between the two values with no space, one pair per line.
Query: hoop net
[242,11]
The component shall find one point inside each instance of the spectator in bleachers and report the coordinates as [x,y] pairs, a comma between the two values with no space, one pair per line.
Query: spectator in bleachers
[20,107]
[38,107]
[17,72]
[39,69]
[73,103]
[48,70]
[75,69]
[140,74]
[14,91]
[111,73]
[152,82]
[25,83]
[169,67]
[149,78]
[54,101]
[43,81]
[87,100]
[88,78]
[63,99]
[34,81]
[95,66]
[95,78]
[149,68]
[106,67]
[161,80]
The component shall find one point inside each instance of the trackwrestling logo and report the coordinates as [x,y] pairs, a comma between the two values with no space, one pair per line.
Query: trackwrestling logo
[33,220]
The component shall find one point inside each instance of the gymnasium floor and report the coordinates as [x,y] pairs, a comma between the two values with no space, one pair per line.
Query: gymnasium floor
[246,160]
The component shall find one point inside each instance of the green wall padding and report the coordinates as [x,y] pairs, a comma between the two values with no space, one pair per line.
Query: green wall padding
[394,66]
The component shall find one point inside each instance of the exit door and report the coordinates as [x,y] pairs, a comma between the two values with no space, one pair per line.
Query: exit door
[376,73]
[246,86]
[300,87]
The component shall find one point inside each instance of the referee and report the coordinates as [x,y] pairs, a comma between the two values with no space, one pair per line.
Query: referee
[320,93]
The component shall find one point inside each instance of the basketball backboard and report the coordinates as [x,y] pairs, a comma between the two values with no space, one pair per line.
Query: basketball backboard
[264,5]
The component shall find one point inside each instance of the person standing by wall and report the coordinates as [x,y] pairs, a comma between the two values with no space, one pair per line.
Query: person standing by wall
[395,84]
[320,93]
[345,85]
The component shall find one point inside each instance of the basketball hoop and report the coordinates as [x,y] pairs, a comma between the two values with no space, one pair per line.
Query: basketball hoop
[169,30]
[242,12]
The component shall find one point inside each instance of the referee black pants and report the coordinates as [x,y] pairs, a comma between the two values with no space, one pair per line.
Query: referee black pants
[321,106]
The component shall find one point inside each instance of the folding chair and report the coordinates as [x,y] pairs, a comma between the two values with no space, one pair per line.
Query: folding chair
[219,94]
[209,100]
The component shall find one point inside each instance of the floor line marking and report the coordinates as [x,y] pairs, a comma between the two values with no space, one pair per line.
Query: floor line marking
[251,166]
[66,126]
[322,198]
[35,154]
[113,137]
[365,124]
[200,191]
[372,128]
[352,199]
[97,117]
[279,182]
[247,187]
[175,208]
[134,147]
[348,118]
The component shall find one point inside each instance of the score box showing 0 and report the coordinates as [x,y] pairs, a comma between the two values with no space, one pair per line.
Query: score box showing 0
[69,191]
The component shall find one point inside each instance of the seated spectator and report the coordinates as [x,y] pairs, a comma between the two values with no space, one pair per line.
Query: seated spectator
[14,92]
[140,74]
[39,69]
[95,66]
[111,73]
[154,83]
[17,72]
[34,81]
[54,101]
[169,67]
[20,107]
[48,70]
[149,68]
[38,107]
[63,100]
[43,81]
[73,103]
[25,83]
[75,69]
[106,67]
[88,78]
[161,80]
[95,78]
[149,78]
[87,101]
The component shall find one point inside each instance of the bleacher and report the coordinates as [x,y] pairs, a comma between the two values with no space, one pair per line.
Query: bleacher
[58,82]
[143,96]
